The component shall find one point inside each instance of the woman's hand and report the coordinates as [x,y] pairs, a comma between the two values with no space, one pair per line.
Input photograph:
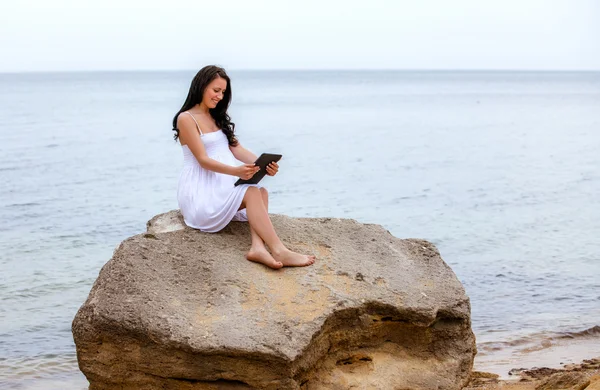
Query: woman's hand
[246,171]
[272,169]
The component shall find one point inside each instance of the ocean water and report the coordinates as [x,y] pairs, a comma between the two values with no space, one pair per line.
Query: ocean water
[500,170]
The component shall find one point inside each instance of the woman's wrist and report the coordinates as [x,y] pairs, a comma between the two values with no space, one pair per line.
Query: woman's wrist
[233,171]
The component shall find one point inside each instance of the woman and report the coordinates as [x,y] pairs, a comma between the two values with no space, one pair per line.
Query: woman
[206,194]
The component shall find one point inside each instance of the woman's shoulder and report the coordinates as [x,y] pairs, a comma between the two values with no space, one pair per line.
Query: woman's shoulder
[184,117]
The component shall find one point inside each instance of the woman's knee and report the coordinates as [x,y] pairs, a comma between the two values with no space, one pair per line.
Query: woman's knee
[252,192]
[264,192]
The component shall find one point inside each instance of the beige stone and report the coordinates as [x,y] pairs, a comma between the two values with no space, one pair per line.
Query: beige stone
[594,383]
[176,308]
[564,381]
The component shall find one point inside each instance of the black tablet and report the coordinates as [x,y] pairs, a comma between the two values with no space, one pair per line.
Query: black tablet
[262,162]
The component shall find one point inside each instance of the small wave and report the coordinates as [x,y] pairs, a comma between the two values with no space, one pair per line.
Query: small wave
[537,341]
[500,345]
[41,290]
[29,204]
[591,332]
[563,298]
[40,366]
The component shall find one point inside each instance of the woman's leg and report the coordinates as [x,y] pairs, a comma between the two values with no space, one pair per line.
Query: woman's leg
[257,242]
[258,252]
[261,223]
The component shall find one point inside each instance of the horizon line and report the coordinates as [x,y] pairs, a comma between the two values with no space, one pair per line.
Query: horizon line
[432,70]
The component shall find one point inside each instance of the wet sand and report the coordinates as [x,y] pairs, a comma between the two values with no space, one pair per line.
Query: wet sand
[554,351]
[585,375]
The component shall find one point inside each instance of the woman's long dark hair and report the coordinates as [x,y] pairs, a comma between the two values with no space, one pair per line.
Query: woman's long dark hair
[219,113]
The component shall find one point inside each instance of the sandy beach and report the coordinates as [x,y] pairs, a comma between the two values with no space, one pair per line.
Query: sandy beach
[554,350]
[584,375]
[544,362]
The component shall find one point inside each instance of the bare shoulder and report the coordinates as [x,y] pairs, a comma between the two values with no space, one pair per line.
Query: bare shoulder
[187,128]
[184,119]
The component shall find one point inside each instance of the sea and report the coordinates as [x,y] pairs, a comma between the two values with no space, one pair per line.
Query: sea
[500,170]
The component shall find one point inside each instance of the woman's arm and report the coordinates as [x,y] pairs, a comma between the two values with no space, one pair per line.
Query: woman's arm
[188,135]
[242,154]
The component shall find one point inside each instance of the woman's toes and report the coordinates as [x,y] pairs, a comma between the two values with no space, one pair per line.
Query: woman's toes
[293,259]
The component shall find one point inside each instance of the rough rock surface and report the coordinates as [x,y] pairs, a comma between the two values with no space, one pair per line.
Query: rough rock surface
[176,308]
[594,383]
[565,381]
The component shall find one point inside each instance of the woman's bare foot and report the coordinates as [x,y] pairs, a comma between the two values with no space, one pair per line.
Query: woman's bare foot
[293,259]
[261,255]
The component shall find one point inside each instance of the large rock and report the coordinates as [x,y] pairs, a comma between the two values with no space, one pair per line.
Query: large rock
[179,309]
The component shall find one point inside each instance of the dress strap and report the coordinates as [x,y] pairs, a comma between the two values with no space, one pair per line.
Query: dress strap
[197,125]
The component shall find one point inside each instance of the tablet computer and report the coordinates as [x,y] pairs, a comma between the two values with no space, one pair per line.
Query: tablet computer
[262,162]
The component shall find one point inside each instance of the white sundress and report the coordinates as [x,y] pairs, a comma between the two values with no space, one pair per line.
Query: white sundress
[209,200]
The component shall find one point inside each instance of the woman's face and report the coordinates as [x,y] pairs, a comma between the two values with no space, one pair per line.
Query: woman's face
[214,92]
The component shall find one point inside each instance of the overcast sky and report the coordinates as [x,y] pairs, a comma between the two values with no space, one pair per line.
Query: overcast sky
[57,35]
